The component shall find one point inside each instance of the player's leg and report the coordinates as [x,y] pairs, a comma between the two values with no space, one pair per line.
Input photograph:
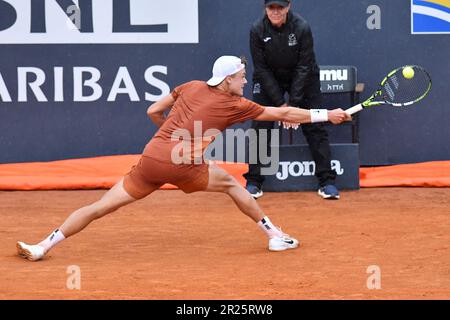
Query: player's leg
[222,181]
[135,185]
[112,200]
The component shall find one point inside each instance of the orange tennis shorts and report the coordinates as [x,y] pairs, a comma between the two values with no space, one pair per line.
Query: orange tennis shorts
[150,174]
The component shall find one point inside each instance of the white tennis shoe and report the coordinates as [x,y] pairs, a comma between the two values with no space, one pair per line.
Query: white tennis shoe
[30,252]
[282,243]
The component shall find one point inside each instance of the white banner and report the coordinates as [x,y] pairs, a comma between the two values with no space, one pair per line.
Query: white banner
[98,21]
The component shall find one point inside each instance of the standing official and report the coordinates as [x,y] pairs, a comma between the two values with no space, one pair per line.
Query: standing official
[283,56]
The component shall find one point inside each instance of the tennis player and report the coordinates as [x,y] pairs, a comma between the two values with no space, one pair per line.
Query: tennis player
[217,103]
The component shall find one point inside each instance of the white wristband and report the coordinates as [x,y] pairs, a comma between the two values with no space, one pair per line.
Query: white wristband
[319,115]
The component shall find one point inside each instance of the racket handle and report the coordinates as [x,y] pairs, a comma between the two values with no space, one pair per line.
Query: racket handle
[354,109]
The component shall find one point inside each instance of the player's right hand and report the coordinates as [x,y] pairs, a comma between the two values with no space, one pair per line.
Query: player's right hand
[337,116]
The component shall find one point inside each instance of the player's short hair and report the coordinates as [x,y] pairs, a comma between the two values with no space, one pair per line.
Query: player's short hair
[244,60]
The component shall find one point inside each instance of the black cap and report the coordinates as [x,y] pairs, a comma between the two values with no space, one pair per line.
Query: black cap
[283,3]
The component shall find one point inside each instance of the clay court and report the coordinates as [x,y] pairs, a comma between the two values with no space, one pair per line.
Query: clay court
[174,246]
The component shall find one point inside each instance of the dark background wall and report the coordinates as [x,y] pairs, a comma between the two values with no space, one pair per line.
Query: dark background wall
[42,131]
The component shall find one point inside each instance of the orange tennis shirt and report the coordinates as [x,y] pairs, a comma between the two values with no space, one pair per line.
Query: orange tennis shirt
[200,113]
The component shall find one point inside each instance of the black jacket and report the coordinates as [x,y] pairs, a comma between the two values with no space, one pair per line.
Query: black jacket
[284,59]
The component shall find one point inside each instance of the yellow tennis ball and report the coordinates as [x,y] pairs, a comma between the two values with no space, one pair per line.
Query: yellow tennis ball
[408,72]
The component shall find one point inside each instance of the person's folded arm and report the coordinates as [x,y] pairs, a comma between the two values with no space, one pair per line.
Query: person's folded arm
[156,111]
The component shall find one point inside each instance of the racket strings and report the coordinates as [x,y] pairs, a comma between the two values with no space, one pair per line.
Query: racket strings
[398,89]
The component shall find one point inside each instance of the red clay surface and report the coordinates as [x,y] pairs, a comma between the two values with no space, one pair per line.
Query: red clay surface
[174,246]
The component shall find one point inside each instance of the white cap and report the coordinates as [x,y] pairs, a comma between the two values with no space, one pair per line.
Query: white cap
[223,67]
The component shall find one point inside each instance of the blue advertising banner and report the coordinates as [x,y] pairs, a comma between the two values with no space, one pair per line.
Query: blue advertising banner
[77,76]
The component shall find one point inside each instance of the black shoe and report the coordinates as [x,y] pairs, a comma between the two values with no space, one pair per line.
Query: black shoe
[255,191]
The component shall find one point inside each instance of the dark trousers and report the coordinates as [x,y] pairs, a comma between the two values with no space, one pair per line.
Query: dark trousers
[316,135]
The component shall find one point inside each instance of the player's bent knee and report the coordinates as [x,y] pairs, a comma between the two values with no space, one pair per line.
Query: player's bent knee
[220,180]
[229,183]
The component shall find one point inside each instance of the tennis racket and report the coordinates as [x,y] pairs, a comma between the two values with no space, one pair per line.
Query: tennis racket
[401,87]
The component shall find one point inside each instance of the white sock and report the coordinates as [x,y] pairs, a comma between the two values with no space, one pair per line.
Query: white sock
[271,231]
[52,240]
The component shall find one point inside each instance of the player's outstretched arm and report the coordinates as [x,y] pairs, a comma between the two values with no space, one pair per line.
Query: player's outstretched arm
[298,115]
[156,111]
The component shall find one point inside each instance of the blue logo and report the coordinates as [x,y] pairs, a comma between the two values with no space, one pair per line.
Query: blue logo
[430,16]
